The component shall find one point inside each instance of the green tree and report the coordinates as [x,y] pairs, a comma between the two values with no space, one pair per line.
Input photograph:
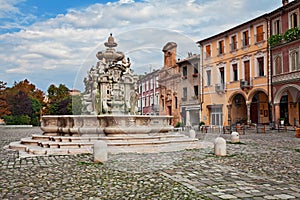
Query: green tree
[24,102]
[59,100]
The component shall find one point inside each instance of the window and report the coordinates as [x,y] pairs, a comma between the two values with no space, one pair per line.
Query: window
[233,45]
[176,103]
[207,51]
[221,48]
[184,71]
[222,75]
[278,65]
[156,82]
[245,39]
[144,101]
[235,72]
[196,68]
[293,20]
[294,60]
[208,77]
[259,33]
[184,92]
[216,116]
[276,27]
[196,90]
[247,71]
[151,84]
[151,100]
[260,64]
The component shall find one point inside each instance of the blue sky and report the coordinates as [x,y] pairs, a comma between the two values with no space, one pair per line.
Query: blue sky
[55,41]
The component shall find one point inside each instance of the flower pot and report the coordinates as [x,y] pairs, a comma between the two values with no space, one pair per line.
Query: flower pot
[297,133]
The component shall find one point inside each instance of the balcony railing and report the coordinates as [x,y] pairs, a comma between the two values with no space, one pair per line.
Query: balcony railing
[233,46]
[221,50]
[245,84]
[245,42]
[286,77]
[220,87]
[184,99]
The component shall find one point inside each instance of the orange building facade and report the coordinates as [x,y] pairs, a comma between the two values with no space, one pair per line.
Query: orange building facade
[236,75]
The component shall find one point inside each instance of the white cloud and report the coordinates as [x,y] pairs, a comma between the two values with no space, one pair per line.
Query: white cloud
[69,41]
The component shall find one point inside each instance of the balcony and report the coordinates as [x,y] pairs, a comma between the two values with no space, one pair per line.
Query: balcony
[184,99]
[245,84]
[286,77]
[221,51]
[245,42]
[233,46]
[220,87]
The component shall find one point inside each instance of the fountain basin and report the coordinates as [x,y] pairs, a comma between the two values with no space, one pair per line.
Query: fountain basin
[105,124]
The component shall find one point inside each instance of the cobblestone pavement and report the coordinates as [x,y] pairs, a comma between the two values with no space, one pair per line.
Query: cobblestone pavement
[262,166]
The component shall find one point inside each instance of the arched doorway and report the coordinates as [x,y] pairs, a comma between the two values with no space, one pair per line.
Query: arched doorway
[284,108]
[259,110]
[239,109]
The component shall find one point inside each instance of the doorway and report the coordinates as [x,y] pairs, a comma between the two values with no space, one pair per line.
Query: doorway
[284,108]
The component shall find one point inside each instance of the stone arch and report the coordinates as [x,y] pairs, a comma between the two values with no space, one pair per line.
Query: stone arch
[238,108]
[230,99]
[254,92]
[284,89]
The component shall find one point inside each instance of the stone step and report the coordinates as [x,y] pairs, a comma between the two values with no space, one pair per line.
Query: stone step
[17,146]
[40,137]
[52,144]
[30,142]
[114,148]
[56,151]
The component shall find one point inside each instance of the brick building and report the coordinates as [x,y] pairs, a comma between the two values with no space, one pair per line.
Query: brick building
[169,80]
[285,57]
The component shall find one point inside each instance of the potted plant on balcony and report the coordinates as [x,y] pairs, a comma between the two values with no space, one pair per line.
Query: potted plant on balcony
[275,40]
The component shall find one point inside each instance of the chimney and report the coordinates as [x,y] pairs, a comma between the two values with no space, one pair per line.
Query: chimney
[285,2]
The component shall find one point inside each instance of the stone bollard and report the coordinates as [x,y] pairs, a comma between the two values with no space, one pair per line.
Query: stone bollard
[235,138]
[100,151]
[220,146]
[192,134]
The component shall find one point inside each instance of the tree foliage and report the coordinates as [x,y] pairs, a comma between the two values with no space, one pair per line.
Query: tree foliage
[21,104]
[59,100]
[4,107]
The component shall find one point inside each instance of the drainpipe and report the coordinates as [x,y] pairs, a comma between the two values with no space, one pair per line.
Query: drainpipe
[201,80]
[270,89]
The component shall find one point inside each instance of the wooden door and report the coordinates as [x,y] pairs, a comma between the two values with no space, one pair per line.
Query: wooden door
[247,71]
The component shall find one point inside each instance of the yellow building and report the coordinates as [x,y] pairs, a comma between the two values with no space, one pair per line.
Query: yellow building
[236,76]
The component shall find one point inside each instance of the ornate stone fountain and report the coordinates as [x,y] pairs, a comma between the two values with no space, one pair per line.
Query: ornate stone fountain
[109,114]
[110,87]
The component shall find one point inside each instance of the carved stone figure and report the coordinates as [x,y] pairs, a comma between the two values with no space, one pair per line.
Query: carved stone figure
[108,85]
